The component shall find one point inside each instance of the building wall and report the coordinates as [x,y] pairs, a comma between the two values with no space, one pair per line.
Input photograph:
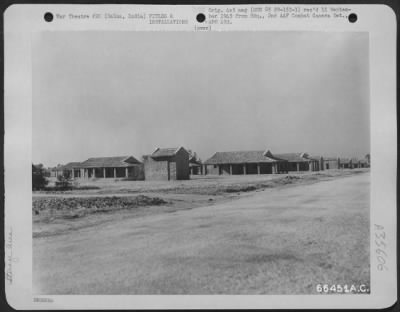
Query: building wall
[155,169]
[237,169]
[172,170]
[225,169]
[292,166]
[182,165]
[211,169]
[169,168]
[251,169]
[134,173]
[138,172]
[283,167]
[195,170]
[314,165]
[331,164]
[321,164]
[302,166]
[266,168]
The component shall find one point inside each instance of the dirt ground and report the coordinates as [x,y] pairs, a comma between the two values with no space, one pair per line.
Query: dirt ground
[204,185]
[103,200]
[279,239]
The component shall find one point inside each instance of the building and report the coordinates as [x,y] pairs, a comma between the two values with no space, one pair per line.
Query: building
[300,161]
[320,159]
[167,164]
[359,163]
[56,171]
[244,162]
[108,167]
[345,163]
[195,166]
[70,170]
[355,163]
[331,163]
[364,163]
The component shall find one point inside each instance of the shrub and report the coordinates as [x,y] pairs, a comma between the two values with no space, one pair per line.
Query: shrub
[63,183]
[39,181]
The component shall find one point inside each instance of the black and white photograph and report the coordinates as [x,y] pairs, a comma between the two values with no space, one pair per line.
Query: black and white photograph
[233,162]
[181,163]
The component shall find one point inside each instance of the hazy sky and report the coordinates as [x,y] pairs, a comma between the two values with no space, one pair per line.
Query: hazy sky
[126,93]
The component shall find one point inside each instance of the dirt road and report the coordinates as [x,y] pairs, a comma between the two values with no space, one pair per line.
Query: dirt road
[278,241]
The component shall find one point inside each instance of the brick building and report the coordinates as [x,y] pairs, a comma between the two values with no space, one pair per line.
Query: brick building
[167,164]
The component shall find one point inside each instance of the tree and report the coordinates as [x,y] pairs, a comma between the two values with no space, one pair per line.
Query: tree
[39,181]
[368,157]
[63,182]
[193,155]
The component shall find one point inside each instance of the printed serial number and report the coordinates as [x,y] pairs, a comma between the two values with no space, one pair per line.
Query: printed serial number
[381,246]
[338,288]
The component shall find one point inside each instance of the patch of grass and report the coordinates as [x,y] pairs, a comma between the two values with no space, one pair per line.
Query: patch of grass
[50,209]
[240,188]
[58,189]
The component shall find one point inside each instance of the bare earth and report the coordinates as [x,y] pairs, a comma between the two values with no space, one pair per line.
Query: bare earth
[282,240]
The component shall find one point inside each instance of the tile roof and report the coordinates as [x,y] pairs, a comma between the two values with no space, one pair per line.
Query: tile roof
[70,165]
[292,157]
[165,152]
[104,162]
[240,157]
[330,158]
[316,157]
